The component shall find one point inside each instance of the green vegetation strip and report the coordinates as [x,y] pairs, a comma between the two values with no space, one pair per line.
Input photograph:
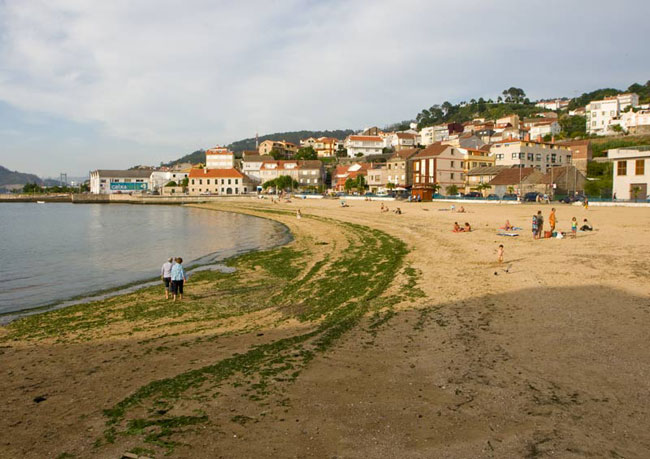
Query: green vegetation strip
[335,293]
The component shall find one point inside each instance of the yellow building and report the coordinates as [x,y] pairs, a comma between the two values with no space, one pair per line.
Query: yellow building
[473,158]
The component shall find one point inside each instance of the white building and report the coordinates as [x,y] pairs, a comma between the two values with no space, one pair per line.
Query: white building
[403,140]
[631,172]
[103,181]
[432,134]
[526,153]
[159,179]
[543,127]
[364,144]
[636,122]
[603,114]
[553,104]
[219,158]
[251,165]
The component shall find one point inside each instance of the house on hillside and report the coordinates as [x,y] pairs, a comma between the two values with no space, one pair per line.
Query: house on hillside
[308,173]
[287,149]
[403,140]
[251,164]
[364,145]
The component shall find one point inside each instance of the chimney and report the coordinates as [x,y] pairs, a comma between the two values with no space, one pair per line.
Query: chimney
[552,139]
[205,170]
[539,138]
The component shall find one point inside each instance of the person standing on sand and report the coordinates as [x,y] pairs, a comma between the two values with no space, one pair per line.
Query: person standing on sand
[552,219]
[178,278]
[500,251]
[574,227]
[540,225]
[535,227]
[298,214]
[166,275]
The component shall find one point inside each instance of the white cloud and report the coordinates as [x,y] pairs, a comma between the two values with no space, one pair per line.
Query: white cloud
[186,73]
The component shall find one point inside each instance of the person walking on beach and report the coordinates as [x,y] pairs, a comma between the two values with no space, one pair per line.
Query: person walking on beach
[178,279]
[540,225]
[552,219]
[166,275]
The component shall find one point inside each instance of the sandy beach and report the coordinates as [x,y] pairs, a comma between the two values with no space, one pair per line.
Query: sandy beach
[371,335]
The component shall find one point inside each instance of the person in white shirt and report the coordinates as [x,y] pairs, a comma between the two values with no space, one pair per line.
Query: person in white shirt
[166,275]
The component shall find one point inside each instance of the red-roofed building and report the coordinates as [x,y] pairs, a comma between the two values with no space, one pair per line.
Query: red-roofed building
[352,171]
[218,182]
[308,173]
[219,158]
[439,166]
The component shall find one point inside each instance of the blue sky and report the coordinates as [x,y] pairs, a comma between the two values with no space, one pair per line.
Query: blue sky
[87,85]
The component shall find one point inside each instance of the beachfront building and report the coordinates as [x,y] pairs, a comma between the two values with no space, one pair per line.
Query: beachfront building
[377,178]
[473,158]
[399,168]
[287,149]
[219,158]
[526,153]
[631,172]
[602,115]
[517,180]
[482,175]
[349,171]
[436,167]
[105,181]
[224,182]
[251,164]
[159,179]
[364,145]
[308,173]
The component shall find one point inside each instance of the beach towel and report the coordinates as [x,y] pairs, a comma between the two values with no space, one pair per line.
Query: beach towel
[508,234]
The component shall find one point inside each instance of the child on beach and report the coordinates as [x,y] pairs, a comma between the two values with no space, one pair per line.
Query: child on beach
[457,228]
[535,227]
[574,227]
[298,214]
[500,251]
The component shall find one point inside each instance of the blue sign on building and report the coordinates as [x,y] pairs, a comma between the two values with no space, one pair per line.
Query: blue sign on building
[130,186]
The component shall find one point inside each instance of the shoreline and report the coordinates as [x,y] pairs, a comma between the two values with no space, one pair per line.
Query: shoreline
[371,334]
[217,263]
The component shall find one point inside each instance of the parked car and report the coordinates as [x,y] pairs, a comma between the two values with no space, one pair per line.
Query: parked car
[493,197]
[573,198]
[509,197]
[473,194]
[531,197]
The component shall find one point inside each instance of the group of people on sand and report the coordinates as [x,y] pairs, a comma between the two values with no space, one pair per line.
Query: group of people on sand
[538,225]
[384,208]
[173,277]
[462,229]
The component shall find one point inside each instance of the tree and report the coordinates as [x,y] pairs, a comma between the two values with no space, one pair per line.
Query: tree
[635,192]
[185,182]
[32,188]
[573,126]
[360,183]
[451,190]
[390,186]
[511,189]
[306,153]
[617,128]
[172,183]
[349,184]
[482,186]
[277,154]
[514,95]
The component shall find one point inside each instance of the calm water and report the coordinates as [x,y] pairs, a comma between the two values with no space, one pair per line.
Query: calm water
[51,252]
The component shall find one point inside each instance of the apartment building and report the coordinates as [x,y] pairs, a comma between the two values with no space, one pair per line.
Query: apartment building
[631,172]
[432,134]
[309,173]
[602,115]
[636,122]
[364,145]
[403,140]
[526,153]
[399,168]
[538,128]
[219,158]
[251,164]
[288,149]
[439,166]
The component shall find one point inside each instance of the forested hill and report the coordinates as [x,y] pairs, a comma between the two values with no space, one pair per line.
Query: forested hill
[198,156]
[8,177]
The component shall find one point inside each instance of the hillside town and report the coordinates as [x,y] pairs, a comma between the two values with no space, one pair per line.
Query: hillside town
[503,158]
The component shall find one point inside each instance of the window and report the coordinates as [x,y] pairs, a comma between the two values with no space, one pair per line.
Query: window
[452,164]
[207,182]
[200,182]
[102,180]
[530,156]
[236,181]
[514,156]
[639,168]
[538,157]
[229,182]
[127,180]
[621,168]
[192,184]
[452,175]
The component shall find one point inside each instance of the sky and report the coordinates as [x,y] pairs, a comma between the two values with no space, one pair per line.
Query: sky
[111,84]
